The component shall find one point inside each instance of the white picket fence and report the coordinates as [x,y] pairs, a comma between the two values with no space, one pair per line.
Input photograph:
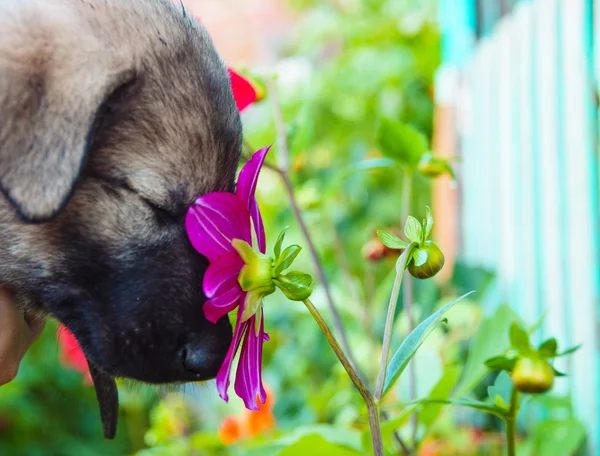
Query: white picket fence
[529,176]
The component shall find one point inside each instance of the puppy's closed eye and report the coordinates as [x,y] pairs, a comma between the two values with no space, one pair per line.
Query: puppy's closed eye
[163,214]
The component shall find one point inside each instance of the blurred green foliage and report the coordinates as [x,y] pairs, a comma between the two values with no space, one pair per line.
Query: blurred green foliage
[349,65]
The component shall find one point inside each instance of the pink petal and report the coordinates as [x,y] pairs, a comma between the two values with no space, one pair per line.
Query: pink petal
[248,380]
[214,220]
[259,227]
[225,370]
[222,304]
[243,92]
[246,188]
[248,178]
[222,274]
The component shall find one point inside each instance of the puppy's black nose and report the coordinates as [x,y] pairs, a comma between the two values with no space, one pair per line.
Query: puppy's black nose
[203,360]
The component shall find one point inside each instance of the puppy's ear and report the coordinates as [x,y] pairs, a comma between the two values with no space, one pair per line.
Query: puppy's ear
[54,79]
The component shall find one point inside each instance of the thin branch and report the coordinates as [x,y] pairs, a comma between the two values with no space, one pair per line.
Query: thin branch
[283,171]
[337,321]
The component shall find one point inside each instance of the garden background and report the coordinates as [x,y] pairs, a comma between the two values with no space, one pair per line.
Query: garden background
[507,92]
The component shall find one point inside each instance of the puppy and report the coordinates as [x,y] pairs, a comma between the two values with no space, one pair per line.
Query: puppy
[115,115]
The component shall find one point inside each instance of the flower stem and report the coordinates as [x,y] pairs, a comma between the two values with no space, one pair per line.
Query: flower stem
[370,401]
[408,299]
[389,321]
[511,423]
[283,171]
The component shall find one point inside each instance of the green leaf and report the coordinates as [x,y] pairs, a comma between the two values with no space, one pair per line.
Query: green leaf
[286,259]
[491,339]
[501,363]
[428,223]
[277,248]
[315,445]
[374,163]
[501,390]
[547,349]
[205,440]
[519,339]
[441,390]
[413,341]
[401,142]
[569,351]
[296,286]
[413,230]
[390,240]
[478,405]
[558,373]
[538,324]
[321,440]
[559,437]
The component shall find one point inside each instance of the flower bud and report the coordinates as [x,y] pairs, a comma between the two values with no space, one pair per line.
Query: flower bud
[532,376]
[433,167]
[430,166]
[427,260]
[296,286]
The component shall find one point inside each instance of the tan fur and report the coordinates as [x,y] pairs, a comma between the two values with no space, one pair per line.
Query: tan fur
[114,116]
[59,59]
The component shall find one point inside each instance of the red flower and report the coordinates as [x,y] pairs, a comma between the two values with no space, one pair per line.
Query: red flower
[250,424]
[71,355]
[243,91]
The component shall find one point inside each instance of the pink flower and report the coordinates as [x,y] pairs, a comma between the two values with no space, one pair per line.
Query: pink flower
[228,230]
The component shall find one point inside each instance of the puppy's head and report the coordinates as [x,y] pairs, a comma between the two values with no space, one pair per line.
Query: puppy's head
[115,117]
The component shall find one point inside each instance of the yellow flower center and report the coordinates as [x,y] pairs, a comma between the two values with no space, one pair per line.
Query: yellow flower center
[256,277]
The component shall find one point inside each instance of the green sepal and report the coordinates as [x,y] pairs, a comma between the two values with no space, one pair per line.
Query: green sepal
[296,286]
[390,240]
[286,259]
[279,242]
[413,230]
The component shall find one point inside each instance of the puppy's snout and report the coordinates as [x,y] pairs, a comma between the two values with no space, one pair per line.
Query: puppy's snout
[202,360]
[203,355]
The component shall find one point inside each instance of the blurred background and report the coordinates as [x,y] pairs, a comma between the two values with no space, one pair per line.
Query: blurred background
[506,91]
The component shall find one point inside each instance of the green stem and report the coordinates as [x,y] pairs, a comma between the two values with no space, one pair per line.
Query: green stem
[389,321]
[370,401]
[511,423]
[408,299]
